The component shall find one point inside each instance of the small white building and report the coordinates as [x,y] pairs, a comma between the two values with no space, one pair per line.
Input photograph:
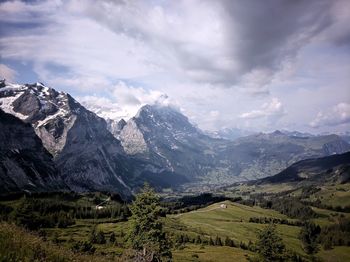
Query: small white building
[223,206]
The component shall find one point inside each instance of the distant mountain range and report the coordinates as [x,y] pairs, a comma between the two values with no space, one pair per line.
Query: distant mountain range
[159,145]
[334,169]
[229,133]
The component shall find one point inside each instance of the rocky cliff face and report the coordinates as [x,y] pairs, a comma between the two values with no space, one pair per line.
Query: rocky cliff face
[163,135]
[24,163]
[115,127]
[85,152]
[51,113]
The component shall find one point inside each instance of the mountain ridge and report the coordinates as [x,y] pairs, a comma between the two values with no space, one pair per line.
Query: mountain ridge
[159,145]
[85,152]
[24,163]
[328,168]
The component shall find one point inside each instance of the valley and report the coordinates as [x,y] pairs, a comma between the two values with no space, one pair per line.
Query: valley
[210,232]
[70,180]
[174,131]
[158,145]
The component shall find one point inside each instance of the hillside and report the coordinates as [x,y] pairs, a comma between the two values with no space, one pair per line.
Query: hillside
[334,168]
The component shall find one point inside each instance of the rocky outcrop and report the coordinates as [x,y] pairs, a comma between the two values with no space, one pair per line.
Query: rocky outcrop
[24,163]
[115,127]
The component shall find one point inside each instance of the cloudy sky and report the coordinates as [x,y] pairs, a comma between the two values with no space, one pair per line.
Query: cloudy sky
[255,65]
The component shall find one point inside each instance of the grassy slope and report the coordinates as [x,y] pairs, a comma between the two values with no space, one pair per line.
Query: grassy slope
[333,195]
[209,221]
[337,254]
[227,222]
[17,244]
[209,253]
[233,222]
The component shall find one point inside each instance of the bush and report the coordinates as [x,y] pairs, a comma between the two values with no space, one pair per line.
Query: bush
[83,246]
[17,244]
[100,238]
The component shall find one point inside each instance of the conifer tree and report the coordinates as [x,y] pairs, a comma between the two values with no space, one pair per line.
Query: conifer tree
[270,246]
[309,237]
[146,234]
[100,238]
[112,238]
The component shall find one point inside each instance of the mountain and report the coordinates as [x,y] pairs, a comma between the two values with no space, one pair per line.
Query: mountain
[334,168]
[261,155]
[164,136]
[85,152]
[296,133]
[345,136]
[158,145]
[24,163]
[115,127]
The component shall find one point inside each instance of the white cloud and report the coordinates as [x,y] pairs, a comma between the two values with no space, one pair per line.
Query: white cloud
[135,96]
[337,115]
[209,56]
[7,73]
[124,101]
[103,107]
[272,109]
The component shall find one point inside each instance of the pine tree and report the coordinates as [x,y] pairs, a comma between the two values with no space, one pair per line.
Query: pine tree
[100,238]
[198,240]
[186,239]
[270,246]
[229,242]
[146,234]
[211,242]
[92,236]
[309,237]
[218,241]
[112,238]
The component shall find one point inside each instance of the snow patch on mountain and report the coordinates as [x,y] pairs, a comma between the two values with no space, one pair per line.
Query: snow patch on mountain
[47,110]
[6,104]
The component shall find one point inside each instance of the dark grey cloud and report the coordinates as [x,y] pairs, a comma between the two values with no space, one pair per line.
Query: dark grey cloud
[280,51]
[259,35]
[267,32]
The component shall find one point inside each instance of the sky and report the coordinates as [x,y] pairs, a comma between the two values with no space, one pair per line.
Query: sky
[253,65]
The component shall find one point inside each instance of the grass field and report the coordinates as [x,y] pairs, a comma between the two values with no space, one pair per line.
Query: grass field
[333,195]
[212,221]
[337,254]
[210,254]
[233,222]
